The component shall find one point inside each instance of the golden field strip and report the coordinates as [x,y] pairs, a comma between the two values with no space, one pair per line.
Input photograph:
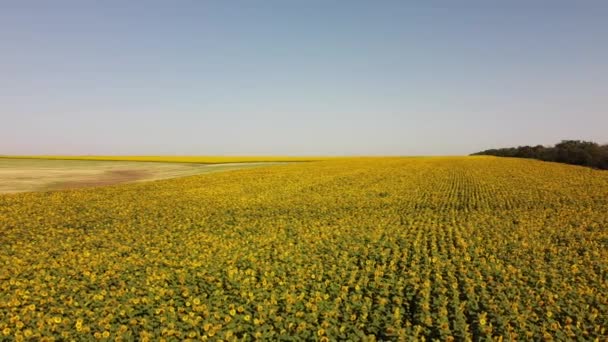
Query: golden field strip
[450,248]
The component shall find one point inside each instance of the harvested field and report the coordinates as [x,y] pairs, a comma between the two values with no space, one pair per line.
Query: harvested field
[23,175]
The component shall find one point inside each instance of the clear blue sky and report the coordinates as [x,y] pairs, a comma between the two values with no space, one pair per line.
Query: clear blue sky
[300,77]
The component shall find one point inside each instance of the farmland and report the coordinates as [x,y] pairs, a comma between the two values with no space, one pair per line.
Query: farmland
[177,159]
[448,248]
[41,174]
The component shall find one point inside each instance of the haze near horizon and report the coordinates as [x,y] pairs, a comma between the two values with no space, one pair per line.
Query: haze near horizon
[299,78]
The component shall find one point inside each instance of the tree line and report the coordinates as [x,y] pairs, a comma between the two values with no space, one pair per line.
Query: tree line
[576,152]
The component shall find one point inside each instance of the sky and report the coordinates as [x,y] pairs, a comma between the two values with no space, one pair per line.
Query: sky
[300,77]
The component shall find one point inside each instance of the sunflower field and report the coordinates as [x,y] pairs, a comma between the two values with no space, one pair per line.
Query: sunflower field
[438,248]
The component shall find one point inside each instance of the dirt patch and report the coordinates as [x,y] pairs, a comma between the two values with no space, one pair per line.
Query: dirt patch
[109,177]
[24,175]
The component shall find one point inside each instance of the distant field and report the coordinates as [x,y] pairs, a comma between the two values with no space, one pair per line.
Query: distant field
[179,159]
[19,175]
[397,249]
